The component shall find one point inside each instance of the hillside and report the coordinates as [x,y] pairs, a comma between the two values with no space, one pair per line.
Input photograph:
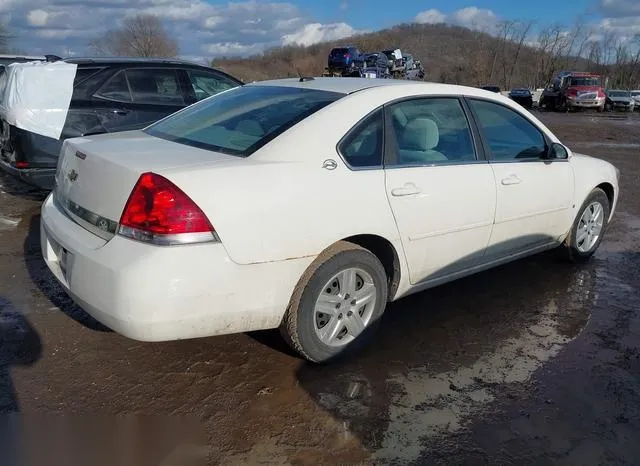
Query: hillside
[449,54]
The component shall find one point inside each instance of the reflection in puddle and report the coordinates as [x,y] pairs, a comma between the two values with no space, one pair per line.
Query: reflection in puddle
[437,404]
[399,407]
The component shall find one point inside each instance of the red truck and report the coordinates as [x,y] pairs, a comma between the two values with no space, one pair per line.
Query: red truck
[571,90]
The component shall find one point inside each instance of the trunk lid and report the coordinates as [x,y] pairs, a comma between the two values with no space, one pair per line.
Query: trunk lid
[96,175]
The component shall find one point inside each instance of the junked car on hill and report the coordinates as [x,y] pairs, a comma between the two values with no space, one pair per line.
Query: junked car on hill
[309,204]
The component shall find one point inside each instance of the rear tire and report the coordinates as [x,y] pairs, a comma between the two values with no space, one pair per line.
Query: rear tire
[325,318]
[589,227]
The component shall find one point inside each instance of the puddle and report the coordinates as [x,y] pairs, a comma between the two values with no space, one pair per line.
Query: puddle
[7,223]
[439,379]
[432,405]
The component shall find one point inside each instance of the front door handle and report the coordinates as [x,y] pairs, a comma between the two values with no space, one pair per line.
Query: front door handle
[120,111]
[409,189]
[511,179]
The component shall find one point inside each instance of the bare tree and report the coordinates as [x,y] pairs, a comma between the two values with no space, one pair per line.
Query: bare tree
[142,35]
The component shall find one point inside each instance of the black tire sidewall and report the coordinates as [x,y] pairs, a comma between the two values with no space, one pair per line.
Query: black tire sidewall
[313,347]
[599,196]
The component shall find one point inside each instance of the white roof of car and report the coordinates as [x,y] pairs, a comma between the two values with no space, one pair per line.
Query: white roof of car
[342,85]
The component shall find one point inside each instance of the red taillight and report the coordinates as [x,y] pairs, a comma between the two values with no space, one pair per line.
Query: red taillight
[21,164]
[572,92]
[159,212]
[601,93]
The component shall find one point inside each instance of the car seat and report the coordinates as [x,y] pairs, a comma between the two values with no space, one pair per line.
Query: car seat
[418,140]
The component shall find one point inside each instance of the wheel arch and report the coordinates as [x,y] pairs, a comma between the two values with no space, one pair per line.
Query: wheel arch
[386,253]
[609,190]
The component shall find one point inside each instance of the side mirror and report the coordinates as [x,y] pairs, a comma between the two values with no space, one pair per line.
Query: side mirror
[557,152]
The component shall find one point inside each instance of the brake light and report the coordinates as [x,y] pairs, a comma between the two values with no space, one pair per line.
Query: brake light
[20,164]
[601,93]
[159,212]
[572,92]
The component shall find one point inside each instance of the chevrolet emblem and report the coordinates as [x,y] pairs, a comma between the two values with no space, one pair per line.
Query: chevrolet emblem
[73,175]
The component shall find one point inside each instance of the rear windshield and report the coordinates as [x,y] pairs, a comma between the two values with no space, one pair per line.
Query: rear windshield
[339,52]
[241,120]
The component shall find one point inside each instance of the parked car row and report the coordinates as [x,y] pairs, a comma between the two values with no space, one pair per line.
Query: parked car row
[147,229]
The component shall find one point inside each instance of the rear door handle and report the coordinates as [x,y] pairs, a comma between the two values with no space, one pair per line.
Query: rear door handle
[511,179]
[120,111]
[409,189]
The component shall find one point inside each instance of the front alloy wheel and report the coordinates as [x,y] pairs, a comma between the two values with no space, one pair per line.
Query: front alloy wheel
[589,226]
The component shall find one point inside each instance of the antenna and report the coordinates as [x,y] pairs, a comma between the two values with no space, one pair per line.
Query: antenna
[303,78]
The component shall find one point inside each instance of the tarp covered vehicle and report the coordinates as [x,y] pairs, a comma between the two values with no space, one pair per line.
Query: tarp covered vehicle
[45,103]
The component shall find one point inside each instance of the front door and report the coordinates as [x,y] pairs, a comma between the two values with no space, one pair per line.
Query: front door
[441,194]
[534,194]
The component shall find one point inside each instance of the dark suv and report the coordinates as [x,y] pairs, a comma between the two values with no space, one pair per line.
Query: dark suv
[110,95]
[342,59]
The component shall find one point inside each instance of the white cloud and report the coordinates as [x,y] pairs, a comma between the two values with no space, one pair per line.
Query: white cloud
[431,16]
[37,17]
[475,18]
[619,8]
[316,32]
[234,28]
[471,17]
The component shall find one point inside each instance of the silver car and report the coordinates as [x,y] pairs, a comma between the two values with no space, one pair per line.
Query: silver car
[619,99]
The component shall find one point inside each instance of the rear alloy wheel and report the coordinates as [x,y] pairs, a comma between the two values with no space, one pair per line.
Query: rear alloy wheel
[337,303]
[589,227]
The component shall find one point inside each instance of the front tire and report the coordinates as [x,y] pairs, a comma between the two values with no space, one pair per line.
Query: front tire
[589,227]
[337,304]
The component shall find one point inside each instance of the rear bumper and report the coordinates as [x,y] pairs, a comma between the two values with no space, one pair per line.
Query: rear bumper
[39,152]
[153,293]
[42,178]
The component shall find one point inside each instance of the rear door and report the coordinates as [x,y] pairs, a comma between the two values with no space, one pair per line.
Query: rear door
[534,194]
[156,93]
[112,105]
[441,191]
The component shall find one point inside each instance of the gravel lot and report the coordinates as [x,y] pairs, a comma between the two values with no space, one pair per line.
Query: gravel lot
[536,361]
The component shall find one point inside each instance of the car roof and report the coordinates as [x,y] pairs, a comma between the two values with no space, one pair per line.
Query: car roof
[129,60]
[351,85]
[340,85]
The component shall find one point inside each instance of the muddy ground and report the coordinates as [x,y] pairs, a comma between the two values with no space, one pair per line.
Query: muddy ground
[537,362]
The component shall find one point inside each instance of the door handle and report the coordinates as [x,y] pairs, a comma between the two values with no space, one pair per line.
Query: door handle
[409,189]
[120,111]
[511,179]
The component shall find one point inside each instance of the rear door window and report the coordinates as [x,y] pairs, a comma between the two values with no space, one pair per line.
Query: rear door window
[207,84]
[116,88]
[241,120]
[155,86]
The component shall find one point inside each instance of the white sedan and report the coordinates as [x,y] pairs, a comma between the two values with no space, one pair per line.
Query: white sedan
[308,204]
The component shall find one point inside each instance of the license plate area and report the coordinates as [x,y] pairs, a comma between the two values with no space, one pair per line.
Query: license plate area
[61,254]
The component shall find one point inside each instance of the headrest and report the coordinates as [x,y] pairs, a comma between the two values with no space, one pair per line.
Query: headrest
[420,134]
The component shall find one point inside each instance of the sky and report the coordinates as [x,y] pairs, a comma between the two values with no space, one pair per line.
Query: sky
[209,28]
